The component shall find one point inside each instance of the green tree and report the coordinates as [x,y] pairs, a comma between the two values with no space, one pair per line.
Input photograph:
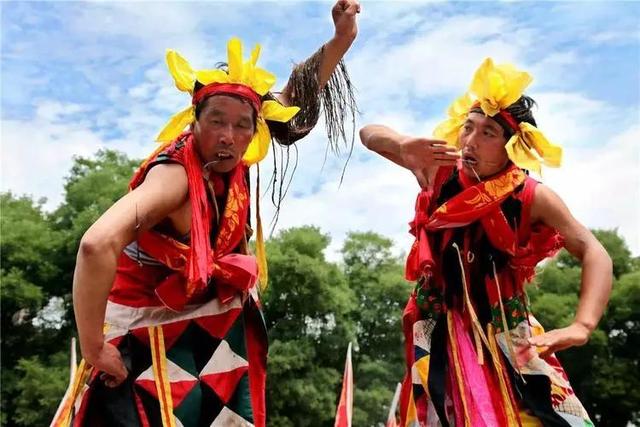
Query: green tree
[376,278]
[37,257]
[29,275]
[40,385]
[615,246]
[307,308]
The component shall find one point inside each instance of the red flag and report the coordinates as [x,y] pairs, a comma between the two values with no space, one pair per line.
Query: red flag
[345,406]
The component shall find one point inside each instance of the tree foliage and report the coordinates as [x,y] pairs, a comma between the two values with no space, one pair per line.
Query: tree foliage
[38,251]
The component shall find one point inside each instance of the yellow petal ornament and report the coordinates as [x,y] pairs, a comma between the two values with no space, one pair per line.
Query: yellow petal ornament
[494,88]
[182,73]
[497,87]
[449,129]
[529,148]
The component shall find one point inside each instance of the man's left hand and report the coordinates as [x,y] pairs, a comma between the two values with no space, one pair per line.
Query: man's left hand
[344,18]
[573,335]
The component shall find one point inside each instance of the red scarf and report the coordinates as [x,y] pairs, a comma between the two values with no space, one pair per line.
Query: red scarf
[478,201]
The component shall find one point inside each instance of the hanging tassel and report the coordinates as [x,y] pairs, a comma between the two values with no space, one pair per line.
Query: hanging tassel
[453,343]
[506,396]
[478,344]
[505,327]
[261,253]
[478,332]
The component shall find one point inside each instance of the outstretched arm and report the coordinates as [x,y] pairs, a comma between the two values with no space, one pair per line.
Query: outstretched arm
[344,20]
[597,271]
[422,156]
[163,191]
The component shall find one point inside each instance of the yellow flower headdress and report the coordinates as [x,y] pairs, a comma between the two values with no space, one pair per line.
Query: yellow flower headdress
[243,78]
[493,89]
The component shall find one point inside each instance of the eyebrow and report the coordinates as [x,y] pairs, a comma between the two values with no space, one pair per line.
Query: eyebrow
[215,112]
[494,127]
[219,113]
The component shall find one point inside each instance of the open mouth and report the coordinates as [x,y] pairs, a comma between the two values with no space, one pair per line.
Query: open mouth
[469,160]
[221,156]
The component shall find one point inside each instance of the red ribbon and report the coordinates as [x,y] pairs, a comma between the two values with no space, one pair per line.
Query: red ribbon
[243,91]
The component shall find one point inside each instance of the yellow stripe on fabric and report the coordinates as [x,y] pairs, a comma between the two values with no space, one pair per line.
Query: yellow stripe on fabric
[159,364]
[83,372]
[529,420]
[504,392]
[412,415]
[459,380]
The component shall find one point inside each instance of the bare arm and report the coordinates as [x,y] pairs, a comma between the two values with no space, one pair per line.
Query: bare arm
[597,270]
[346,29]
[421,156]
[163,191]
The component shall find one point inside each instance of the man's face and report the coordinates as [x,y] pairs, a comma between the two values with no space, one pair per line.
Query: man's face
[223,132]
[482,140]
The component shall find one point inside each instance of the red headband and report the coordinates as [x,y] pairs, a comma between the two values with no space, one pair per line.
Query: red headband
[245,92]
[513,124]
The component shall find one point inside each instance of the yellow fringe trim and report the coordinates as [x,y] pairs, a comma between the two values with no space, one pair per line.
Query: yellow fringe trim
[261,252]
[512,419]
[505,327]
[478,332]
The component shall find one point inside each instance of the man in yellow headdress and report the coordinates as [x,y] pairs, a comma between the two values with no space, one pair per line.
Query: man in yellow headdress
[165,289]
[475,354]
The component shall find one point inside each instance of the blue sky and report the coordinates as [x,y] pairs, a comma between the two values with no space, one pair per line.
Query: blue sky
[80,76]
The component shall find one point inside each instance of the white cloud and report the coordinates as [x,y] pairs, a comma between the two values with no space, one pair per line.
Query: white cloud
[601,184]
[375,195]
[433,60]
[37,154]
[573,119]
